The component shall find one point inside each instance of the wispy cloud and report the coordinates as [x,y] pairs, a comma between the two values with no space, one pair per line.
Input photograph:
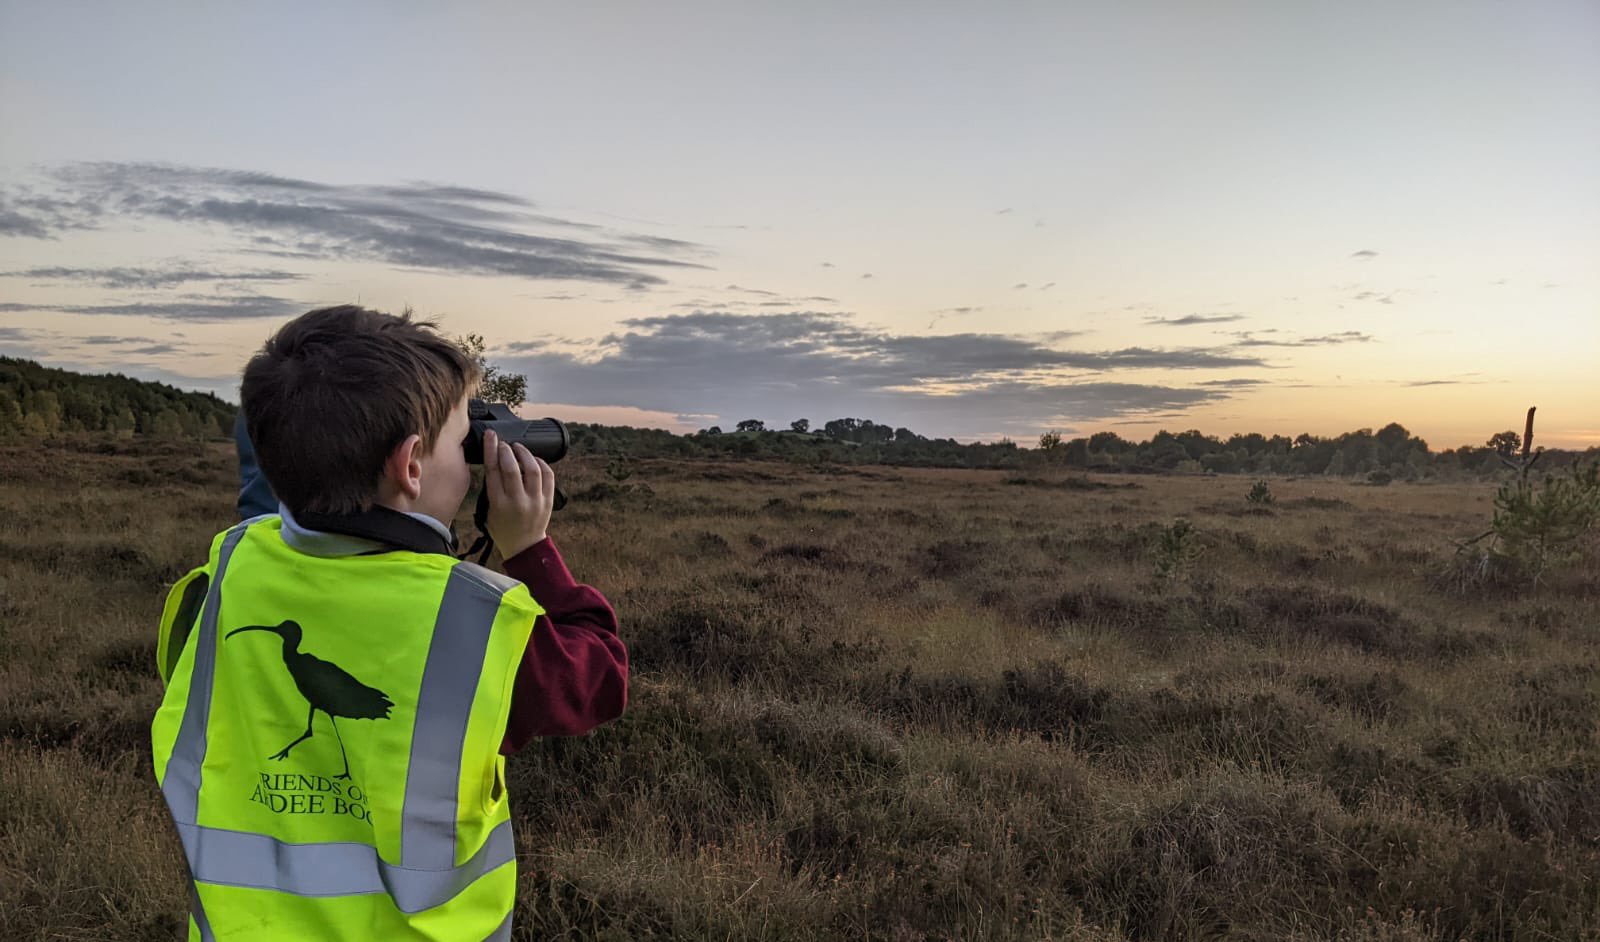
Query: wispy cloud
[15,223]
[1463,380]
[1251,339]
[109,340]
[198,309]
[797,304]
[24,213]
[1192,319]
[148,277]
[24,342]
[1364,253]
[93,354]
[416,225]
[945,312]
[773,364]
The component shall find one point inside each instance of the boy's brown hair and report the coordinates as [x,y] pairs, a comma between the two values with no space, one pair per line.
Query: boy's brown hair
[331,394]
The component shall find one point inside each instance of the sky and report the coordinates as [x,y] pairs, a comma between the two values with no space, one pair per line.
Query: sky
[974,220]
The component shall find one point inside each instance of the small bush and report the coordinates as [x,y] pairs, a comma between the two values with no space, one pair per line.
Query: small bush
[1096,604]
[1177,547]
[1081,483]
[605,490]
[620,467]
[825,557]
[707,543]
[1042,699]
[1260,493]
[1540,528]
[1380,696]
[1320,503]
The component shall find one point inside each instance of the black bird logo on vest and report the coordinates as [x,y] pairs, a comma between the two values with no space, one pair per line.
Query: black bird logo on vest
[326,687]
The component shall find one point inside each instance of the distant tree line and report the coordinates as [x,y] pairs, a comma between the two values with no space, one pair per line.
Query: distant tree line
[845,440]
[1391,453]
[38,401]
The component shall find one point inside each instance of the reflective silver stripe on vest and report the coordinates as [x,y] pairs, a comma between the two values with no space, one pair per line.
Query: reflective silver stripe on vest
[444,703]
[258,861]
[427,875]
[198,910]
[181,785]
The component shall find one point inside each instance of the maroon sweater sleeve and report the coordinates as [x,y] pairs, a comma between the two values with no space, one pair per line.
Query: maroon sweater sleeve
[574,673]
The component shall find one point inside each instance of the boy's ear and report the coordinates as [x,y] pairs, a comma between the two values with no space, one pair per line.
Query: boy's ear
[404,467]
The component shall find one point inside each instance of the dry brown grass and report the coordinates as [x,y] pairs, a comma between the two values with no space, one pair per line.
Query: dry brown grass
[907,704]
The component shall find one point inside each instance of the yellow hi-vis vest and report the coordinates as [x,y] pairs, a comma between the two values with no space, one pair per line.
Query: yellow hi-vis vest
[329,741]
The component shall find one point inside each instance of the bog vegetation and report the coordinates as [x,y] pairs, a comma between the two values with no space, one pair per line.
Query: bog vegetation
[905,703]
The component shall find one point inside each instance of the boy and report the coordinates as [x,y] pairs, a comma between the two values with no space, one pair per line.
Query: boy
[386,816]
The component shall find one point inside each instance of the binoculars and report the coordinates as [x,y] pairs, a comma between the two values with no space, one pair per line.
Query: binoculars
[545,438]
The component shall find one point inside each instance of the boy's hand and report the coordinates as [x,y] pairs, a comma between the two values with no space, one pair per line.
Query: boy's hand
[522,492]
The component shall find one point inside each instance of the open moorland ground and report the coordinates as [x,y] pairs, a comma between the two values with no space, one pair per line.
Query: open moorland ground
[907,704]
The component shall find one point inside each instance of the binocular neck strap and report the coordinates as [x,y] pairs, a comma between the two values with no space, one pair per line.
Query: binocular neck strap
[480,519]
[484,544]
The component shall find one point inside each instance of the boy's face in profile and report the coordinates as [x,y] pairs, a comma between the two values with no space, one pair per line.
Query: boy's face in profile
[445,476]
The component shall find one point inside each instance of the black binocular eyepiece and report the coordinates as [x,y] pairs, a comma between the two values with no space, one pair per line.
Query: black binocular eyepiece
[545,438]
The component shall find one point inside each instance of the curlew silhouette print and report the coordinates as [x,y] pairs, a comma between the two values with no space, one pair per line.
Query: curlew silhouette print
[326,687]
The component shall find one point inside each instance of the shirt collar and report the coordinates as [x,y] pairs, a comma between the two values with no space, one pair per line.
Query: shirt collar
[376,530]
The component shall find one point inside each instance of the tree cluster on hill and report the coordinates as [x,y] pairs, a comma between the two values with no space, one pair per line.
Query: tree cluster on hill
[37,401]
[1392,449]
[855,441]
